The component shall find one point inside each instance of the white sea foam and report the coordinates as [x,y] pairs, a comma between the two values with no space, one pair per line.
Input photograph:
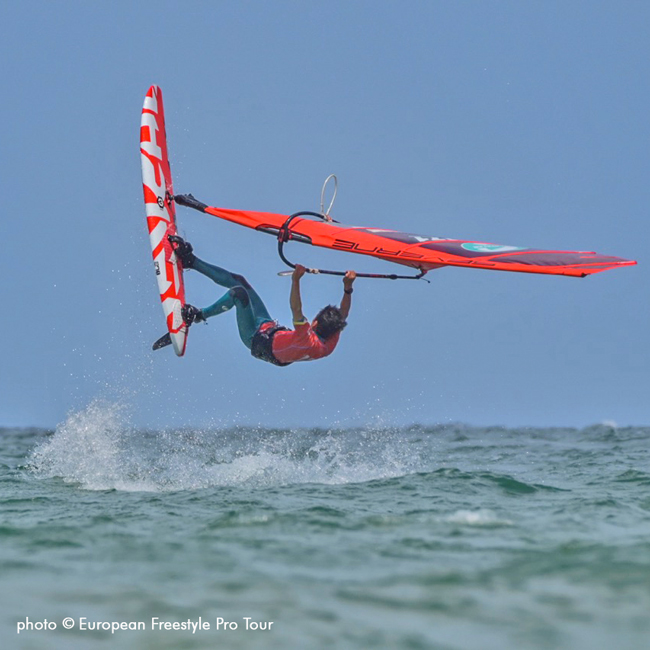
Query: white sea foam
[477,518]
[98,449]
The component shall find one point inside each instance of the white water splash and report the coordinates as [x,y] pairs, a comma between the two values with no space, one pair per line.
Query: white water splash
[86,448]
[98,449]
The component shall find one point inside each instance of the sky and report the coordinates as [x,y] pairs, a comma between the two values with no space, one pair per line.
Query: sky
[514,123]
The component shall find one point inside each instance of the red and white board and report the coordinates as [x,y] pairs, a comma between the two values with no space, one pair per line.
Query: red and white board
[161,215]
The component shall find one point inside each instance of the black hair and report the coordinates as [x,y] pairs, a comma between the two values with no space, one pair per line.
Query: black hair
[329,321]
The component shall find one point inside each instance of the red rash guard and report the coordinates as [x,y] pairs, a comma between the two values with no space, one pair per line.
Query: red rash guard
[301,344]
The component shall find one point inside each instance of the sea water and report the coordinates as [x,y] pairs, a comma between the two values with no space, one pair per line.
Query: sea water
[422,537]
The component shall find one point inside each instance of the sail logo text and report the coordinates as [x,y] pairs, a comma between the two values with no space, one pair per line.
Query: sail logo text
[345,245]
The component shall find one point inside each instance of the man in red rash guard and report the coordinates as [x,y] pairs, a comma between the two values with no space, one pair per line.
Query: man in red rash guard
[262,335]
[315,340]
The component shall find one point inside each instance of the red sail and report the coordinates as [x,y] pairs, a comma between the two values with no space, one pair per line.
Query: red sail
[425,253]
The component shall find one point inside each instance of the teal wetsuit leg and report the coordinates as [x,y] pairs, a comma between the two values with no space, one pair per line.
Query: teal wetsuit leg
[251,311]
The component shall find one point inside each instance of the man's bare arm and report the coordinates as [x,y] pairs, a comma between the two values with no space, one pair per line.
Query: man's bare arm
[295,300]
[346,302]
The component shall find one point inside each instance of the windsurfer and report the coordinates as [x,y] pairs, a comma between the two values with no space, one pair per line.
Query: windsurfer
[259,332]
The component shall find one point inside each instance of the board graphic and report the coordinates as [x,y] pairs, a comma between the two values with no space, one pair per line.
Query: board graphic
[161,216]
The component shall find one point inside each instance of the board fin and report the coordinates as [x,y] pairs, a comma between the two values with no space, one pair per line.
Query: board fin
[162,342]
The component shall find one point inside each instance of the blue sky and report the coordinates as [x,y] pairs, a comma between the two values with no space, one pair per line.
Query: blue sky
[507,122]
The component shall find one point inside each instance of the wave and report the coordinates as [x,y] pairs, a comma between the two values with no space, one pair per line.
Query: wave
[97,448]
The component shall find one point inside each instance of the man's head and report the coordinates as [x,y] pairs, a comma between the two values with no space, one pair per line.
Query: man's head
[329,321]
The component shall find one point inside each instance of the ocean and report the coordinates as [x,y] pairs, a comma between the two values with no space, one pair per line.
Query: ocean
[449,537]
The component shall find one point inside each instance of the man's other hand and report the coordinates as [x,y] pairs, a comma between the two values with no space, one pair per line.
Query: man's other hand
[349,278]
[298,272]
